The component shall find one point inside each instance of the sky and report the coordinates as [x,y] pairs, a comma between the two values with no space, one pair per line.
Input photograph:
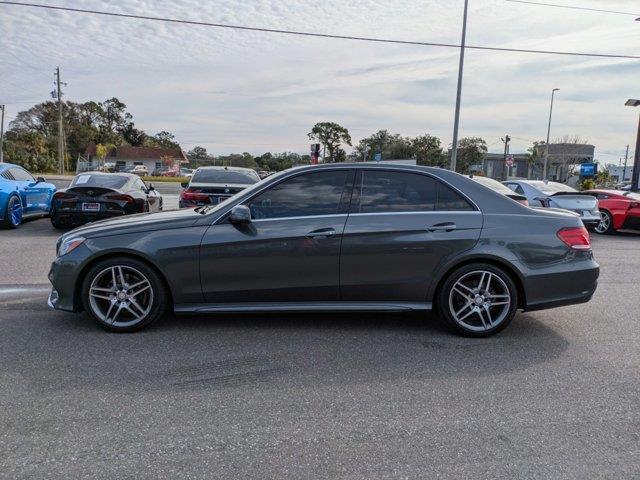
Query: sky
[236,91]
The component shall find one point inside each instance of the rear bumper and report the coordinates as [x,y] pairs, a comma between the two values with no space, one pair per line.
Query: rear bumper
[76,218]
[573,283]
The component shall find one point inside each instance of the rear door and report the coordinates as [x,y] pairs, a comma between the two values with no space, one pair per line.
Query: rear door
[401,227]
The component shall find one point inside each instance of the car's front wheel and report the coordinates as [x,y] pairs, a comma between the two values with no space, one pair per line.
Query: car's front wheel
[478,300]
[124,294]
[606,223]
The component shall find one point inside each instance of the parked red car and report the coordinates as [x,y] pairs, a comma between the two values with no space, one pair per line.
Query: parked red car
[618,209]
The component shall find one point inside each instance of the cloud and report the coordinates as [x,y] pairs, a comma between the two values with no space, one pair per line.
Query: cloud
[250,91]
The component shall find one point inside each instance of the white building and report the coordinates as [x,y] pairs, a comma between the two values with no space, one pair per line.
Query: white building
[617,172]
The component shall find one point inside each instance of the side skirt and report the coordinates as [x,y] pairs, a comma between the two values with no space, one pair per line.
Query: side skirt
[251,307]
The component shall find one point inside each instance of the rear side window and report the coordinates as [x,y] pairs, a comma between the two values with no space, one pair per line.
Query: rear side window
[385,191]
[305,195]
[21,175]
[516,188]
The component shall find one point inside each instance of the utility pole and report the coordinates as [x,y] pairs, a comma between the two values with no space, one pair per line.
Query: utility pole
[505,170]
[60,139]
[546,155]
[2,135]
[624,169]
[456,119]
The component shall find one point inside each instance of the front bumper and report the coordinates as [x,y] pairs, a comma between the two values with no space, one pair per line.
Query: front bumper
[64,275]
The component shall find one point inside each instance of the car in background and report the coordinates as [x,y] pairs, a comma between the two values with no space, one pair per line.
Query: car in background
[139,170]
[333,237]
[496,186]
[186,172]
[618,209]
[213,185]
[558,195]
[95,196]
[166,172]
[22,196]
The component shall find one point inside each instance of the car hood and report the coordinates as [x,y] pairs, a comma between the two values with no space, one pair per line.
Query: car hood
[142,222]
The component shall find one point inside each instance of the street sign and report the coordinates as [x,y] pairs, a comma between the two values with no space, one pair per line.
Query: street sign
[509,161]
[588,169]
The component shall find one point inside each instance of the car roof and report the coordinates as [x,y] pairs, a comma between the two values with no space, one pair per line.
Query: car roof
[237,169]
[110,174]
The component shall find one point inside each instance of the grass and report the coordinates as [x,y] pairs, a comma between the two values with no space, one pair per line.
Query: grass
[166,179]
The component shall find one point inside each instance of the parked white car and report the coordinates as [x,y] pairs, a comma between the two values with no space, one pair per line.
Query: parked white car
[139,170]
[558,195]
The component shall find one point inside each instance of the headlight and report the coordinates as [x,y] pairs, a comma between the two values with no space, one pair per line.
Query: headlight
[70,244]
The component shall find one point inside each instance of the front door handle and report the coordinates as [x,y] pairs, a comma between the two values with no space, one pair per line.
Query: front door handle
[321,233]
[442,227]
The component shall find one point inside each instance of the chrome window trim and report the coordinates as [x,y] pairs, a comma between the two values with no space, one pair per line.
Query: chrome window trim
[420,212]
[299,217]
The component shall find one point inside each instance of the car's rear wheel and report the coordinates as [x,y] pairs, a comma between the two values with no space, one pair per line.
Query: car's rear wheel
[13,214]
[605,226]
[478,300]
[124,294]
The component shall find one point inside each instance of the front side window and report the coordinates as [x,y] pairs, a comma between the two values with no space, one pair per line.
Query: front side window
[310,194]
[21,175]
[385,191]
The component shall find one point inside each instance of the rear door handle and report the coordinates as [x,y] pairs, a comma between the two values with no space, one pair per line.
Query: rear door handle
[321,233]
[442,227]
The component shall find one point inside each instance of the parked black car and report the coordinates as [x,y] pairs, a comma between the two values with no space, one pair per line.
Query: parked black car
[213,185]
[96,195]
[332,238]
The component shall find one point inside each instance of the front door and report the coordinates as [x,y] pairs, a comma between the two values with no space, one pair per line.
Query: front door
[289,252]
[402,226]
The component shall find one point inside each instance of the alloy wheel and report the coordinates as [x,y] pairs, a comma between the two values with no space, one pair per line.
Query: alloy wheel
[15,215]
[604,224]
[121,296]
[479,301]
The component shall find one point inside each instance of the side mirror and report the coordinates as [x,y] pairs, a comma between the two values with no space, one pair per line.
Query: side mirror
[151,187]
[184,184]
[40,180]
[240,214]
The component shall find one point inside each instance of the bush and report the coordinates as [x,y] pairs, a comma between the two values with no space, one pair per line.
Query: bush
[587,184]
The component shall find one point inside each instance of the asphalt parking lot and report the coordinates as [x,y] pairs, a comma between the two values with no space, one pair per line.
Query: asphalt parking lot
[556,395]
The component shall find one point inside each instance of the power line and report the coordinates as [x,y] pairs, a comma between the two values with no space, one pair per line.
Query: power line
[312,34]
[571,7]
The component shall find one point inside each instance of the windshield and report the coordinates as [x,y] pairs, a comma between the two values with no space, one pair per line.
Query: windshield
[99,180]
[243,177]
[493,185]
[552,187]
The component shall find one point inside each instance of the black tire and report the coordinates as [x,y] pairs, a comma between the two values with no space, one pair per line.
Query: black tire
[55,221]
[158,296]
[6,221]
[605,227]
[478,323]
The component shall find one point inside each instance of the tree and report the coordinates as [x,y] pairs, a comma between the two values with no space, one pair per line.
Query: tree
[197,153]
[471,151]
[163,139]
[427,150]
[331,136]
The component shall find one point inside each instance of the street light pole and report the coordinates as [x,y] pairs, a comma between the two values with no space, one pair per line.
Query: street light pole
[456,119]
[546,155]
[632,102]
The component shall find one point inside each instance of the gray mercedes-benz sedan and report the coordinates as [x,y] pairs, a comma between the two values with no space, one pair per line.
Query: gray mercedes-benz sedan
[336,237]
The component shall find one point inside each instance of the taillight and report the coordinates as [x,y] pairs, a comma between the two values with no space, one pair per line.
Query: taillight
[121,198]
[576,238]
[194,196]
[634,205]
[63,196]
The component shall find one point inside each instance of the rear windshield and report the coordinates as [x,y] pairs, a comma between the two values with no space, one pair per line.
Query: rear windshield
[493,185]
[634,196]
[552,187]
[99,180]
[244,177]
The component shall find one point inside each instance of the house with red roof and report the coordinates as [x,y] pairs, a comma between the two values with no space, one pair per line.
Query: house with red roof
[126,156]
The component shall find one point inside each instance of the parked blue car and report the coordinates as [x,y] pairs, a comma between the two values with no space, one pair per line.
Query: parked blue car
[22,196]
